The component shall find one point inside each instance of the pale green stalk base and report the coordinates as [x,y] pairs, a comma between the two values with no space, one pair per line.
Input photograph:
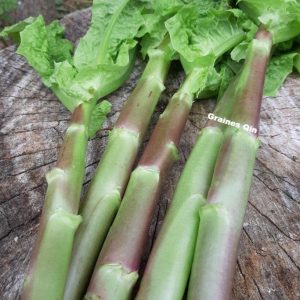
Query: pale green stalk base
[52,252]
[126,240]
[104,195]
[52,262]
[111,176]
[168,267]
[221,219]
[119,283]
[116,282]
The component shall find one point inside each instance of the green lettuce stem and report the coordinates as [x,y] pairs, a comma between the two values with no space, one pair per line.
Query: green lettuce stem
[168,266]
[172,253]
[52,252]
[117,268]
[221,219]
[219,230]
[107,187]
[180,226]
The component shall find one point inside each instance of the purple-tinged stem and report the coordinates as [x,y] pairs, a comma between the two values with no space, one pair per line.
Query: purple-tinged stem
[110,179]
[120,257]
[221,219]
[59,221]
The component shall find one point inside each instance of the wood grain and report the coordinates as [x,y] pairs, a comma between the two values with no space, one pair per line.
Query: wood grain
[33,123]
[27,8]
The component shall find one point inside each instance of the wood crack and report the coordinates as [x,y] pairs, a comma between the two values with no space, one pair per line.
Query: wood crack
[290,258]
[278,228]
[34,168]
[28,153]
[258,289]
[17,195]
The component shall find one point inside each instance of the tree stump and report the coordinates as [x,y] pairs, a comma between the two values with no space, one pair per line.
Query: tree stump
[27,8]
[33,125]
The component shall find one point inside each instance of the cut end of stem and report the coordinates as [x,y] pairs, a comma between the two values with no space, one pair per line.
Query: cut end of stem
[52,260]
[117,283]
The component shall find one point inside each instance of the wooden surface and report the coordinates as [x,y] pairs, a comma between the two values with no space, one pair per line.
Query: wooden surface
[27,8]
[33,123]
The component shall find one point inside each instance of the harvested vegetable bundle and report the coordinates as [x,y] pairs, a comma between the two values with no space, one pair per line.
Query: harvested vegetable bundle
[221,219]
[169,265]
[108,184]
[221,214]
[101,63]
[215,32]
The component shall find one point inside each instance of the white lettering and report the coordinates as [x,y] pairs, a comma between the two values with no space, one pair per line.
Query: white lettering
[246,127]
[249,128]
[210,116]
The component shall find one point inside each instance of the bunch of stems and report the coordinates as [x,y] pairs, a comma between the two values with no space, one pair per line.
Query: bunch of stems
[108,184]
[215,184]
[116,271]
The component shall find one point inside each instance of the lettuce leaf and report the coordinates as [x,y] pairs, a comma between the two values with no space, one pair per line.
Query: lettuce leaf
[158,12]
[14,30]
[239,52]
[278,70]
[111,34]
[280,17]
[103,58]
[153,31]
[227,74]
[98,117]
[43,46]
[201,34]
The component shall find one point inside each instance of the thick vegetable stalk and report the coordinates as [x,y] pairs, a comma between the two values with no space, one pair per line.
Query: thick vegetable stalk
[221,219]
[172,255]
[108,184]
[101,63]
[117,268]
[168,267]
[59,219]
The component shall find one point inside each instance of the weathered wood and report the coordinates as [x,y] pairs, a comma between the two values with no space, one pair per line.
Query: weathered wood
[32,126]
[27,8]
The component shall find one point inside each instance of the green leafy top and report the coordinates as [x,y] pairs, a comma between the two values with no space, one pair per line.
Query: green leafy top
[98,117]
[201,35]
[239,52]
[157,12]
[14,30]
[44,46]
[111,34]
[102,60]
[279,68]
[153,31]
[280,17]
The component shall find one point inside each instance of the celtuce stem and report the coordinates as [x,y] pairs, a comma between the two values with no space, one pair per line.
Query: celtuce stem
[169,265]
[107,187]
[59,221]
[221,219]
[172,254]
[120,257]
